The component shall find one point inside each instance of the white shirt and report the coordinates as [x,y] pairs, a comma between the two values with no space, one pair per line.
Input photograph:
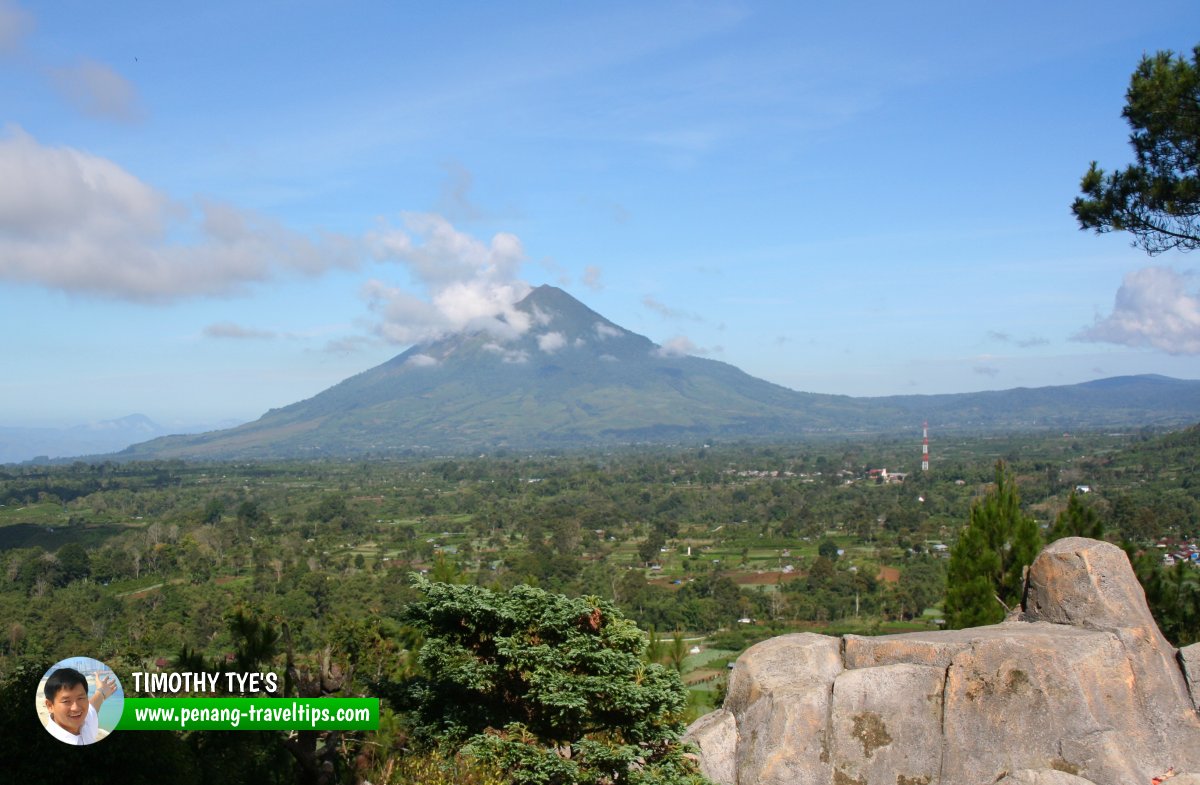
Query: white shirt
[87,733]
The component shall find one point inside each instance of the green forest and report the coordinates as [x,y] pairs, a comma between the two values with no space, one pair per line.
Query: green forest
[357,578]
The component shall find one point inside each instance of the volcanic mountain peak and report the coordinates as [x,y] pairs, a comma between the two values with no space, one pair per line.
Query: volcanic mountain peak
[553,327]
[559,320]
[549,304]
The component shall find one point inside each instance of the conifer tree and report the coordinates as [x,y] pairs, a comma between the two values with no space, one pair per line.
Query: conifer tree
[1157,199]
[985,576]
[1078,520]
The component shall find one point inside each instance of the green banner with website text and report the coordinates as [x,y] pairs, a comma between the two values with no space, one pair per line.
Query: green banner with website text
[250,714]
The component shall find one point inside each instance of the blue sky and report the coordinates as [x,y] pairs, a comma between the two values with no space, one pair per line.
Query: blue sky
[212,210]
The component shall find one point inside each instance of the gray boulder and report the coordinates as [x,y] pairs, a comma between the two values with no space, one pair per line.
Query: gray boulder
[1082,687]
[1189,659]
[1042,777]
[783,693]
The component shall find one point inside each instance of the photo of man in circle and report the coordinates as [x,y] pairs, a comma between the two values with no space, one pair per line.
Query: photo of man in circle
[68,712]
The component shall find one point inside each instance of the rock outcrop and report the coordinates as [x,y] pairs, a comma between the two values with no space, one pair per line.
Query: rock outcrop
[1080,687]
[1189,660]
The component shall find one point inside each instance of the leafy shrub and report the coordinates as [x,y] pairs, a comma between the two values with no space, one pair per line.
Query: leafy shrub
[551,689]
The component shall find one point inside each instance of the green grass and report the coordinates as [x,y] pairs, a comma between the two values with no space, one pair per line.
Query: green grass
[706,655]
[701,701]
[45,513]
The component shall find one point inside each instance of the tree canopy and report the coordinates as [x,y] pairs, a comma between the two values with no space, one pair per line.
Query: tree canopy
[1077,520]
[553,689]
[985,574]
[1156,199]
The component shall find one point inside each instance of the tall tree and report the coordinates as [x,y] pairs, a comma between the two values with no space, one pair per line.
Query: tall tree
[74,562]
[1156,199]
[985,575]
[1078,520]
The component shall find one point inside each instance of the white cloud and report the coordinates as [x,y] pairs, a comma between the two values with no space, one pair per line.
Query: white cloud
[446,255]
[682,346]
[607,331]
[506,354]
[679,346]
[92,87]
[77,222]
[551,342]
[421,361]
[1153,308]
[48,191]
[481,305]
[669,312]
[1023,343]
[231,330]
[97,90]
[406,317]
[470,285]
[15,24]
[347,345]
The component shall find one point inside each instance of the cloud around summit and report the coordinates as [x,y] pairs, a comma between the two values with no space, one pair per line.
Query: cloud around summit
[551,342]
[468,284]
[678,346]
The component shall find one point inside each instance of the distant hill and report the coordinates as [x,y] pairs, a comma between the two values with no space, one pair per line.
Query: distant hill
[21,443]
[577,379]
[1119,401]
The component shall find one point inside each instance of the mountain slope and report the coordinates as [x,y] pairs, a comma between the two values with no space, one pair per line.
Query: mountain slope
[574,378]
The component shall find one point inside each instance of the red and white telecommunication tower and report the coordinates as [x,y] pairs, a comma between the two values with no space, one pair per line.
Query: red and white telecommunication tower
[925,446]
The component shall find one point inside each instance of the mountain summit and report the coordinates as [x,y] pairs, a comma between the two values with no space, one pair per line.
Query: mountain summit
[555,326]
[564,375]
[556,373]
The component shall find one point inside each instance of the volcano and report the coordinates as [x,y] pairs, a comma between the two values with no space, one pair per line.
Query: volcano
[572,378]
